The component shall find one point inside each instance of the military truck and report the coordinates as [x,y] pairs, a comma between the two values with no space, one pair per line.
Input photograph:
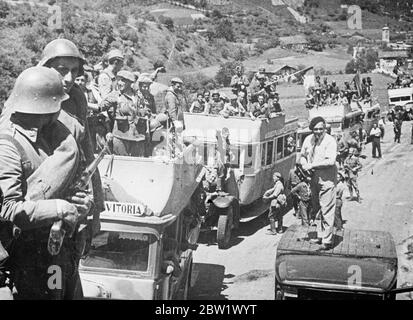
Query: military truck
[148,230]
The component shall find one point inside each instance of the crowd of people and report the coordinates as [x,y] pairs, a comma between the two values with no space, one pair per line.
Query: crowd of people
[119,99]
[324,93]
[257,99]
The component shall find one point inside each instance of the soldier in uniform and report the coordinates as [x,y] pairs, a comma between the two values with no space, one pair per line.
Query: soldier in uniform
[31,139]
[352,166]
[216,105]
[107,78]
[173,105]
[146,110]
[63,56]
[239,81]
[260,88]
[122,108]
[259,109]
[146,100]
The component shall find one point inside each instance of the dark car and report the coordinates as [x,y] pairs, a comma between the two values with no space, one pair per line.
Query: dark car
[360,265]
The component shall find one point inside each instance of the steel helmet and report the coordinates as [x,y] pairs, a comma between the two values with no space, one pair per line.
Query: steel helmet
[37,90]
[61,48]
[115,54]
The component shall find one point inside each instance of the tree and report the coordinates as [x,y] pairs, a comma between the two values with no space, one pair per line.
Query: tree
[216,14]
[225,72]
[224,30]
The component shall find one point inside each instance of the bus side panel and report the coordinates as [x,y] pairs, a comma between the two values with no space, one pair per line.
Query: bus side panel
[255,185]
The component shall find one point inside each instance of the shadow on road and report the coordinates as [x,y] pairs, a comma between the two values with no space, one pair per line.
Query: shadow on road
[207,282]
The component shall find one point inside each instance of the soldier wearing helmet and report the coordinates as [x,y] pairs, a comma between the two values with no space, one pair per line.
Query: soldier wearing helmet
[34,190]
[107,78]
[63,56]
[173,105]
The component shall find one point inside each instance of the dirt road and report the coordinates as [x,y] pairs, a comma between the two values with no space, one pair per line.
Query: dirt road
[246,270]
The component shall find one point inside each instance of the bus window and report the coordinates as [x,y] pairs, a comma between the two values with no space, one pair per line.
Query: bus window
[405,98]
[289,145]
[280,147]
[395,99]
[270,148]
[235,156]
[263,154]
[247,156]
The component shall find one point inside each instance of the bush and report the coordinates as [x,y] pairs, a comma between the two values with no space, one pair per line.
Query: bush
[167,21]
[196,82]
[224,30]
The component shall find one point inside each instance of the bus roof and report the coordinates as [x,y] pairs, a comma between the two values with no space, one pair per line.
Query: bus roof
[400,92]
[242,130]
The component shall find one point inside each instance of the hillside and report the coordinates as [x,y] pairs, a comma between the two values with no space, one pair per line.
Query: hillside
[144,42]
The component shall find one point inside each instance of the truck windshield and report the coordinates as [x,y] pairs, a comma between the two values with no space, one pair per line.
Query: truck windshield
[120,251]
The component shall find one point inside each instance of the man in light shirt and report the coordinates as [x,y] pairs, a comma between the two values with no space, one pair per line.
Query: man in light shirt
[318,155]
[375,135]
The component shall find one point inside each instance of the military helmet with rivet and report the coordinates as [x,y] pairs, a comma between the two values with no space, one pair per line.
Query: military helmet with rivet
[127,75]
[61,48]
[37,90]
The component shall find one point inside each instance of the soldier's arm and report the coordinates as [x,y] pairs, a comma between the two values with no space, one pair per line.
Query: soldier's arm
[25,214]
[105,85]
[191,109]
[234,81]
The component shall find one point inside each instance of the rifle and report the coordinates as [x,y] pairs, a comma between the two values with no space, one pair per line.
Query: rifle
[57,231]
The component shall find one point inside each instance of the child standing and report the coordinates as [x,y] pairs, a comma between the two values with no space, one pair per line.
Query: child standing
[278,201]
[303,192]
